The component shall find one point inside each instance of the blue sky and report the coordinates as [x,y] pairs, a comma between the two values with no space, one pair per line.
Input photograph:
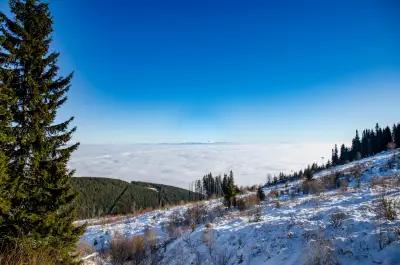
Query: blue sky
[237,71]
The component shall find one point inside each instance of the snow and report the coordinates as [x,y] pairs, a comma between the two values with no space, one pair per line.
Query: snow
[299,231]
[153,189]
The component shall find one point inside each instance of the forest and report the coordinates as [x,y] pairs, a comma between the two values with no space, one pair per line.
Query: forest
[106,196]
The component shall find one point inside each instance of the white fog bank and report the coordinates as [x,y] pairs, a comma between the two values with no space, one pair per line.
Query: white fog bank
[180,164]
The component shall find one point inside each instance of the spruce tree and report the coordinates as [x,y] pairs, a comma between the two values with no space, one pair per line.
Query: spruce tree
[335,156]
[396,134]
[230,190]
[6,139]
[356,147]
[42,207]
[260,194]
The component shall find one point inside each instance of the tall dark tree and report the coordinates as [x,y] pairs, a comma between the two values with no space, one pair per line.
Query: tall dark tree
[386,137]
[6,140]
[42,205]
[335,156]
[356,147]
[344,154]
[230,190]
[396,134]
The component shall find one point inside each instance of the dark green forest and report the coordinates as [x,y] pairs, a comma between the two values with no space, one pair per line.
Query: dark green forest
[107,196]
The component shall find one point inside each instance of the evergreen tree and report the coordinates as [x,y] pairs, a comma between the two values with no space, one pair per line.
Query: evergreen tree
[42,206]
[396,134]
[379,146]
[260,194]
[344,154]
[335,156]
[386,137]
[6,139]
[356,147]
[230,191]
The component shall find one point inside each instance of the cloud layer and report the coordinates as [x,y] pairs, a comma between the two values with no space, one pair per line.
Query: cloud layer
[181,164]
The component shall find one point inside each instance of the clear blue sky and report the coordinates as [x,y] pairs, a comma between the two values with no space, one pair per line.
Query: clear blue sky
[241,71]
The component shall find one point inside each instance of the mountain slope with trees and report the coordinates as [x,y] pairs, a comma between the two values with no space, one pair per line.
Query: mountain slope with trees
[105,196]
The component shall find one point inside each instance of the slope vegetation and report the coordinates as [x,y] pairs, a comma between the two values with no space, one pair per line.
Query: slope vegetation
[346,215]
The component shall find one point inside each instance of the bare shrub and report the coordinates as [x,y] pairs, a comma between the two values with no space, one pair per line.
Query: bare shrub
[124,249]
[83,248]
[312,186]
[195,215]
[223,257]
[248,202]
[344,184]
[330,181]
[24,255]
[173,230]
[377,182]
[386,208]
[273,194]
[257,216]
[336,219]
[208,238]
[356,171]
[150,238]
[320,252]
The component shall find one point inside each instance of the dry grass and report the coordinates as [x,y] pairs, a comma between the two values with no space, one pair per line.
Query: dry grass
[27,256]
[330,181]
[83,249]
[273,194]
[312,186]
[247,203]
[386,208]
[123,250]
[195,215]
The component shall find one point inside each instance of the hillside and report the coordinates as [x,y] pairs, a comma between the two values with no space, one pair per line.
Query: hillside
[103,196]
[353,222]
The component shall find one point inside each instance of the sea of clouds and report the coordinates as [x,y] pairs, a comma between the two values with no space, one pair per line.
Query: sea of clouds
[181,164]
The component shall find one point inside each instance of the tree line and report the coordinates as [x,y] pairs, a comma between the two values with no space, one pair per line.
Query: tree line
[372,141]
[37,202]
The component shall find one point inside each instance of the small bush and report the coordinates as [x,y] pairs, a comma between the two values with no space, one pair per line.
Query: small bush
[83,249]
[23,255]
[320,252]
[173,230]
[273,194]
[208,238]
[337,219]
[330,181]
[195,215]
[248,202]
[124,249]
[344,184]
[257,216]
[260,194]
[312,186]
[150,238]
[386,208]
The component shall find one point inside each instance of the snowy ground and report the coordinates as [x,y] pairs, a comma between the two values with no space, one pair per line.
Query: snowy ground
[334,227]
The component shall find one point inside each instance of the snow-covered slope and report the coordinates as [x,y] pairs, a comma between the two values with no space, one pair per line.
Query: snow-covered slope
[333,227]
